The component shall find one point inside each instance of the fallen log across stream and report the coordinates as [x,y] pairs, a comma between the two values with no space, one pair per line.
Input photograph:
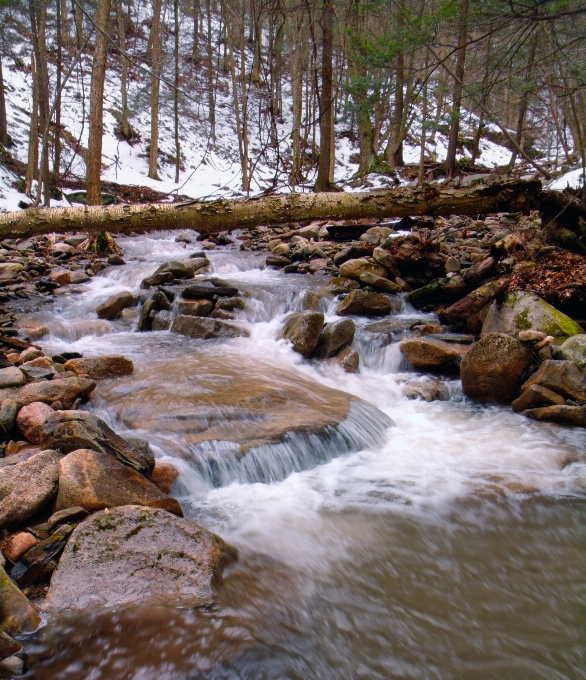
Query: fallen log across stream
[207,217]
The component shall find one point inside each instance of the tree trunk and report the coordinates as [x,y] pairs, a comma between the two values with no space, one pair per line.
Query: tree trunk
[325,100]
[520,138]
[156,54]
[195,48]
[211,217]
[176,94]
[5,138]
[474,301]
[458,88]
[94,165]
[32,168]
[125,129]
[57,136]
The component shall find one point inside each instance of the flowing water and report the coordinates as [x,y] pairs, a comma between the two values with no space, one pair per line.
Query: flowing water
[379,537]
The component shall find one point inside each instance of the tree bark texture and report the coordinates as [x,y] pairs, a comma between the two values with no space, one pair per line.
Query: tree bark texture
[213,216]
[322,182]
[156,63]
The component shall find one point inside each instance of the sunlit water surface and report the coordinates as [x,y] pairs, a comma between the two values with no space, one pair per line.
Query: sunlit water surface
[415,540]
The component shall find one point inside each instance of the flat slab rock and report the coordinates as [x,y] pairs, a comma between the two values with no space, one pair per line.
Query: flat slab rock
[133,555]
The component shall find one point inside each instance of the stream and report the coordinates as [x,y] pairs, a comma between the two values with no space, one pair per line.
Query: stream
[410,540]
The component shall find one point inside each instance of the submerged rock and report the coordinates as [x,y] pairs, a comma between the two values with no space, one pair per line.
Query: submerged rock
[334,337]
[27,487]
[206,328]
[135,554]
[348,359]
[95,481]
[114,305]
[493,368]
[522,310]
[303,330]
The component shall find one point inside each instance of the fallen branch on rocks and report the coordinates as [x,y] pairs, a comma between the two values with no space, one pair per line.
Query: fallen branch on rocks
[209,217]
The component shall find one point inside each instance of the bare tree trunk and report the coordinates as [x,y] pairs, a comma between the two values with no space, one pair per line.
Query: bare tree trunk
[210,65]
[125,129]
[156,59]
[57,135]
[96,130]
[458,88]
[176,94]
[195,49]
[5,138]
[426,74]
[326,100]
[211,217]
[520,138]
[296,50]
[32,168]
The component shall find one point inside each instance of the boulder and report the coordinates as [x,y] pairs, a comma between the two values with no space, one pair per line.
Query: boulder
[96,481]
[376,235]
[340,285]
[157,280]
[206,328]
[386,260]
[11,377]
[356,251]
[494,367]
[178,269]
[431,354]
[428,294]
[428,390]
[523,310]
[63,390]
[348,359]
[277,261]
[17,545]
[109,366]
[364,303]
[194,307]
[70,515]
[134,555]
[207,291]
[17,614]
[352,269]
[564,415]
[195,264]
[303,330]
[230,304]
[40,561]
[532,336]
[147,313]
[162,321]
[72,430]
[27,487]
[8,411]
[574,349]
[31,418]
[537,395]
[562,377]
[380,282]
[161,301]
[164,476]
[115,304]
[30,354]
[9,270]
[334,337]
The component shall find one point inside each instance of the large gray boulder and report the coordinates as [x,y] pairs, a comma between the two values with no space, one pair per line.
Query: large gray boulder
[72,430]
[523,310]
[574,349]
[206,328]
[95,481]
[303,330]
[135,554]
[27,487]
[334,337]
[492,370]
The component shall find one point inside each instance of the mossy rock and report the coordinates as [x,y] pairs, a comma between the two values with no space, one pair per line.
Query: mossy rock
[522,310]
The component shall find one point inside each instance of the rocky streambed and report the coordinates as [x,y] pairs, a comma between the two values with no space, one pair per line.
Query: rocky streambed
[255,456]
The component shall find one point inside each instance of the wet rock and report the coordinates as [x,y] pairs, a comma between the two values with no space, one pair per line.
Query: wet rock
[380,282]
[522,310]
[202,291]
[114,305]
[59,248]
[63,390]
[278,261]
[303,330]
[385,259]
[177,269]
[376,235]
[9,270]
[17,614]
[30,354]
[8,646]
[162,321]
[206,328]
[164,476]
[426,295]
[109,366]
[564,415]
[574,349]
[357,251]
[432,354]
[116,260]
[27,487]
[562,377]
[340,285]
[161,301]
[157,280]
[196,264]
[334,337]
[136,554]
[39,562]
[8,411]
[352,269]
[96,481]
[348,359]
[67,516]
[17,545]
[230,304]
[428,390]
[37,372]
[72,430]
[531,336]
[493,368]
[31,418]
[537,395]
[194,307]
[11,377]
[281,249]
[364,303]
